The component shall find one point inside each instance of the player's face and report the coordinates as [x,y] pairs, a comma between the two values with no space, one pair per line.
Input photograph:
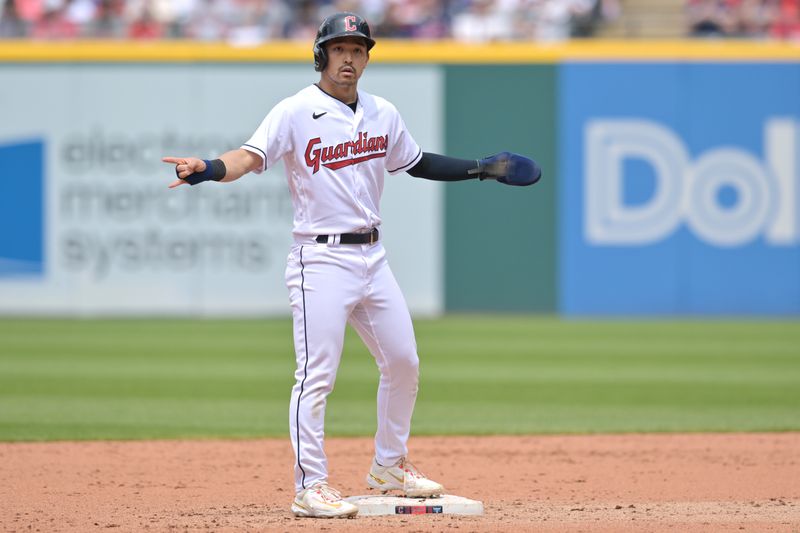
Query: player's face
[347,59]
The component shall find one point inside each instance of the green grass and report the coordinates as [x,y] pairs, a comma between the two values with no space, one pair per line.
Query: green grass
[121,379]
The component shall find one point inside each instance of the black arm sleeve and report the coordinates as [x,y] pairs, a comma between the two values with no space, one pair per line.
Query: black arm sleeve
[442,168]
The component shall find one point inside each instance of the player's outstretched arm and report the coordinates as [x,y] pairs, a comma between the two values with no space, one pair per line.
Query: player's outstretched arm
[505,167]
[229,167]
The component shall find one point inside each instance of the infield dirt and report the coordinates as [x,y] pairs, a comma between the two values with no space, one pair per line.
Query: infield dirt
[619,483]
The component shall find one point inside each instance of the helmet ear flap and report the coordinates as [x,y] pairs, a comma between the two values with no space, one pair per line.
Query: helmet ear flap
[320,57]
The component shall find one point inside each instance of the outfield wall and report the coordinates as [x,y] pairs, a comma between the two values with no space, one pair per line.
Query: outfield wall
[671,178]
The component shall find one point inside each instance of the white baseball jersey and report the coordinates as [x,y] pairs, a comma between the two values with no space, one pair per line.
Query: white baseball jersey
[334,158]
[335,161]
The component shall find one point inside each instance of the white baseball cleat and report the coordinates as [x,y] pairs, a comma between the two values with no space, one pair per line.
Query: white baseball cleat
[402,476]
[322,501]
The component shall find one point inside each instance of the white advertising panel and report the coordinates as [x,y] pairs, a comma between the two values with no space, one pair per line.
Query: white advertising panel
[91,229]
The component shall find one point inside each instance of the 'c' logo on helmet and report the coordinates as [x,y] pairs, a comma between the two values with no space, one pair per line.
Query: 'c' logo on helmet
[350,23]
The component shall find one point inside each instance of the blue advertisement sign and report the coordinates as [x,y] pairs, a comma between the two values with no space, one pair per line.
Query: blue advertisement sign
[680,189]
[22,209]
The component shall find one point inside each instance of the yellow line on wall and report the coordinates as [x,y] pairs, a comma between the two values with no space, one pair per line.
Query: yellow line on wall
[401,51]
[149,52]
[588,50]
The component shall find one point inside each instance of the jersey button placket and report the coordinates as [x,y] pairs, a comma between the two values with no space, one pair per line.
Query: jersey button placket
[358,186]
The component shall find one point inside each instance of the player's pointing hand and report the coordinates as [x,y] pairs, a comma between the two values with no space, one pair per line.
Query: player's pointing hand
[184,167]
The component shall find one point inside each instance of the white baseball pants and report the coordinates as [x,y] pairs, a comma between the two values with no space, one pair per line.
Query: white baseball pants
[329,286]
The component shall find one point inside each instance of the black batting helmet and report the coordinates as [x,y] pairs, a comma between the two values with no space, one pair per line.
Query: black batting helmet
[339,25]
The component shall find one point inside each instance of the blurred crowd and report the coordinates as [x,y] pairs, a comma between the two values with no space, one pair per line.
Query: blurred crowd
[776,19]
[255,21]
[249,22]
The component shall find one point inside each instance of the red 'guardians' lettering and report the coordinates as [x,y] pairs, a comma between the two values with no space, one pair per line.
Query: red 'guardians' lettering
[332,157]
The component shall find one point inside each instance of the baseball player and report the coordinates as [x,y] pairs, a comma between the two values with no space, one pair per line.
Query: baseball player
[336,143]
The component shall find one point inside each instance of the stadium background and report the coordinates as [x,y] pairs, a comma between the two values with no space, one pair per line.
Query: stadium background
[669,209]
[681,169]
[685,281]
